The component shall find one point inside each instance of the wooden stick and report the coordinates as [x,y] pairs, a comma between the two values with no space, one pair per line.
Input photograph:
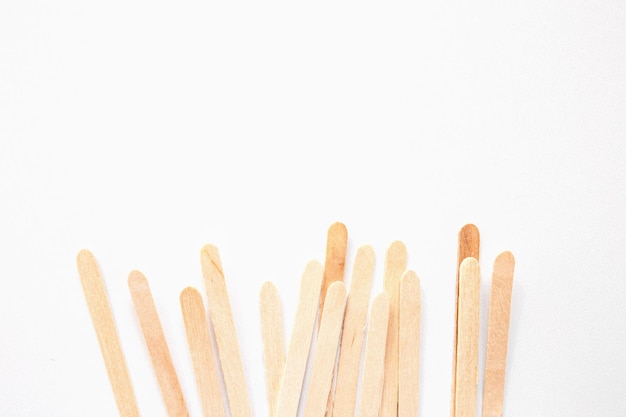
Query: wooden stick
[467,352]
[409,350]
[334,269]
[104,324]
[374,362]
[395,265]
[273,343]
[498,334]
[300,342]
[225,333]
[157,346]
[468,247]
[353,329]
[334,266]
[326,351]
[202,355]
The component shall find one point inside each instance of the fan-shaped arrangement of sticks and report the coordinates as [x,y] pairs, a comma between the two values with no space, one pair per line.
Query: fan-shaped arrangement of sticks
[388,369]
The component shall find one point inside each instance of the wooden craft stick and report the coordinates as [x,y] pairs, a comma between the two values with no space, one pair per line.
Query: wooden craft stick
[374,362]
[467,352]
[498,334]
[326,351]
[469,247]
[273,343]
[225,333]
[157,346]
[334,266]
[395,265]
[409,349]
[353,330]
[300,342]
[202,355]
[104,324]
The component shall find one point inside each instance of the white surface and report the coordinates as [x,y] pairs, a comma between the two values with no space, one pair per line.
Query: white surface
[142,130]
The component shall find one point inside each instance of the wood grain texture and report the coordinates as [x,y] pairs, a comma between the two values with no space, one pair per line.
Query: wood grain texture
[334,265]
[468,247]
[334,270]
[395,265]
[353,331]
[498,334]
[157,345]
[409,349]
[272,334]
[326,351]
[202,354]
[300,341]
[374,361]
[225,334]
[467,349]
[106,331]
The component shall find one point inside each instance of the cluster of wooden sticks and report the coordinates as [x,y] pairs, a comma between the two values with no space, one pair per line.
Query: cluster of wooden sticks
[393,332]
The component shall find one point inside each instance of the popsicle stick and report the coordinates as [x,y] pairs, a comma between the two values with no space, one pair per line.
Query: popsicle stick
[326,351]
[334,266]
[468,247]
[395,265]
[225,333]
[374,362]
[467,352]
[334,269]
[202,355]
[273,343]
[104,324]
[498,334]
[157,346]
[409,349]
[353,330]
[300,342]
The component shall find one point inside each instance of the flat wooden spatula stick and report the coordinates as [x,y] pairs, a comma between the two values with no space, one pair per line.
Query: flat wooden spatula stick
[225,333]
[326,351]
[374,361]
[469,325]
[353,331]
[468,247]
[409,345]
[395,266]
[202,355]
[104,324]
[300,341]
[157,345]
[334,265]
[272,333]
[334,270]
[498,334]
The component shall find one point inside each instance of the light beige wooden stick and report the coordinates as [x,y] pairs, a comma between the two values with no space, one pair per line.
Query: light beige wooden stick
[353,330]
[334,266]
[395,265]
[300,342]
[334,269]
[374,362]
[157,346]
[104,324]
[498,334]
[409,331]
[225,333]
[273,343]
[467,351]
[326,351]
[468,247]
[202,355]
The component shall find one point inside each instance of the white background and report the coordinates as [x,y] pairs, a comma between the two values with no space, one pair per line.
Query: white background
[143,130]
